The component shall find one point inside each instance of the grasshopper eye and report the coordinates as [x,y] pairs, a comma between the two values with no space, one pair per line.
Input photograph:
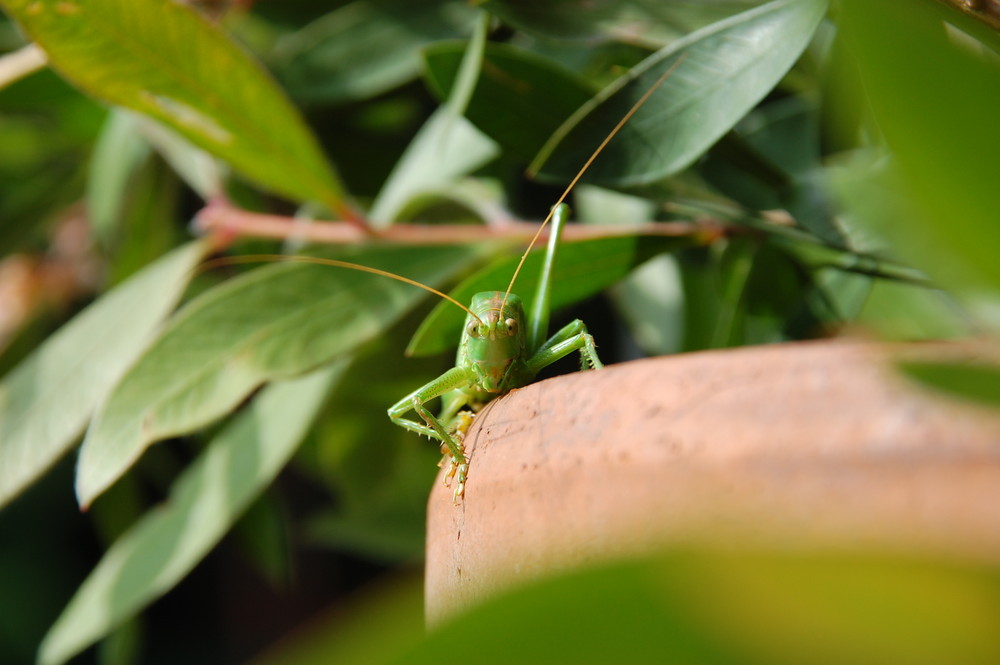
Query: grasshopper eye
[472,329]
[511,324]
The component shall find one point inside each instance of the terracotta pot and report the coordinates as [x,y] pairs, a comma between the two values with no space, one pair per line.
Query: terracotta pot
[794,446]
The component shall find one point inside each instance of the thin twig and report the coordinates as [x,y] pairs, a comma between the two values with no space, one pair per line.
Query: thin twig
[230,222]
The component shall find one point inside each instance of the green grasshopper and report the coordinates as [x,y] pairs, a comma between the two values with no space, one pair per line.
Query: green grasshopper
[500,350]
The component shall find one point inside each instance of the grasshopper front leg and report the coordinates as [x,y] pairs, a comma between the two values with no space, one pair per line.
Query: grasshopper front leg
[571,337]
[452,380]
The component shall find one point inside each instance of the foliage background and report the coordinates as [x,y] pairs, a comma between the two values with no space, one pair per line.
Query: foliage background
[847,154]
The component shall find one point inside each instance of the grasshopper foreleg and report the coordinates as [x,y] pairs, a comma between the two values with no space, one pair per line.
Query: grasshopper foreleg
[432,426]
[571,337]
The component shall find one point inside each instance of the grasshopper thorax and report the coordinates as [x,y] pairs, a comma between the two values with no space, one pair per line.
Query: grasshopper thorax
[494,344]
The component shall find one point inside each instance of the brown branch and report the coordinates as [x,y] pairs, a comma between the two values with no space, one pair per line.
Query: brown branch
[986,11]
[229,223]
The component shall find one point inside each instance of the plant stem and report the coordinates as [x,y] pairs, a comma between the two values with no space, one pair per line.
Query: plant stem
[230,222]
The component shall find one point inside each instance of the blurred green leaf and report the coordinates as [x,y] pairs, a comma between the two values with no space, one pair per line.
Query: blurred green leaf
[901,311]
[934,97]
[46,134]
[650,22]
[274,322]
[147,223]
[520,98]
[263,534]
[45,401]
[118,152]
[446,147]
[379,623]
[772,160]
[698,607]
[582,269]
[366,47]
[379,472]
[722,71]
[738,609]
[971,381]
[650,297]
[161,58]
[199,170]
[203,504]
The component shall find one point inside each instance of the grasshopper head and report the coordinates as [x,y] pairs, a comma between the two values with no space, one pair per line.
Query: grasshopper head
[492,345]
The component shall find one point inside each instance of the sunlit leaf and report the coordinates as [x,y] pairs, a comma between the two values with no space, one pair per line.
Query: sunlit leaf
[274,322]
[722,71]
[207,498]
[45,401]
[161,58]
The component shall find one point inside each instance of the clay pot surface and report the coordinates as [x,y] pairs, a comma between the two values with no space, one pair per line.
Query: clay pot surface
[814,445]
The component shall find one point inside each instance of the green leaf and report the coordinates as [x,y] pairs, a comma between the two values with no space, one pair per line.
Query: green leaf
[907,312]
[206,500]
[649,298]
[45,401]
[274,322]
[721,73]
[582,270]
[446,147]
[378,471]
[933,93]
[161,58]
[648,22]
[196,167]
[739,607]
[365,48]
[975,382]
[119,151]
[520,99]
[698,607]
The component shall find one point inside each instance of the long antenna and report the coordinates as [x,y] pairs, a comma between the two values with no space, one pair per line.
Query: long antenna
[272,258]
[583,169]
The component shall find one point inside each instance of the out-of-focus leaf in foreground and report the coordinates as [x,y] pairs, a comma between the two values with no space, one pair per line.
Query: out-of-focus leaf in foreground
[934,95]
[968,381]
[702,607]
